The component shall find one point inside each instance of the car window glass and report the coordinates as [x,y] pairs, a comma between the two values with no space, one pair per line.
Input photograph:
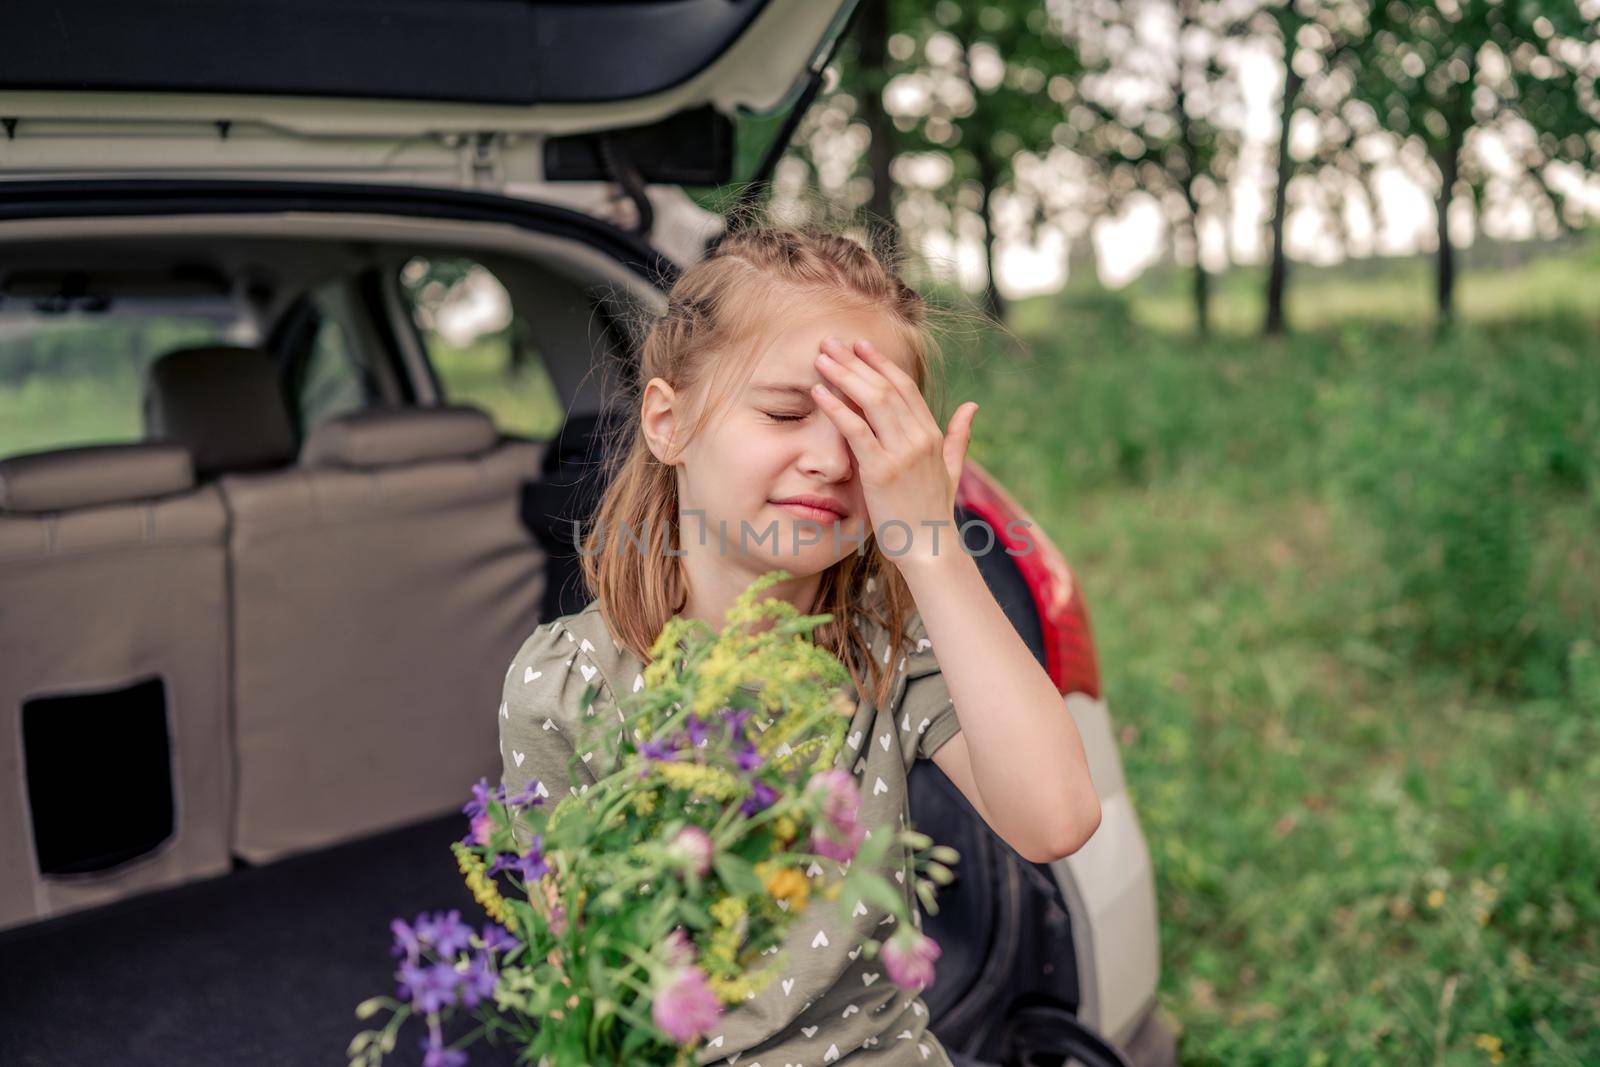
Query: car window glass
[76,376]
[482,351]
[332,381]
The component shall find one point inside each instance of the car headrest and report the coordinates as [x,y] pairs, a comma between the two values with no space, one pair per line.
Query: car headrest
[224,405]
[393,436]
[94,474]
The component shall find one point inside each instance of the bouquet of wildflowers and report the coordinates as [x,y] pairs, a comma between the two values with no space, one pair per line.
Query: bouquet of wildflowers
[624,919]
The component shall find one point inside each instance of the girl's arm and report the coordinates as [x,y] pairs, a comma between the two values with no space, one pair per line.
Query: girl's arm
[1018,757]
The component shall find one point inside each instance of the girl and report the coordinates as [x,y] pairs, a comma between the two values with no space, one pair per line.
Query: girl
[783,425]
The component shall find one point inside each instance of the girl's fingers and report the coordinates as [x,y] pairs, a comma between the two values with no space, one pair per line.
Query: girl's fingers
[957,441]
[878,398]
[916,404]
[853,426]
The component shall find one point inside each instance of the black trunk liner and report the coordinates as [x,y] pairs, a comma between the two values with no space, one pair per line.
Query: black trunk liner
[263,966]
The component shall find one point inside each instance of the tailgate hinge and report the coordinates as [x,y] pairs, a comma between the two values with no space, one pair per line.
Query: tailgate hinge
[482,162]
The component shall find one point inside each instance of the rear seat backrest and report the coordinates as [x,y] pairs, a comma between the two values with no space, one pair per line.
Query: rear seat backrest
[225,405]
[380,589]
[113,683]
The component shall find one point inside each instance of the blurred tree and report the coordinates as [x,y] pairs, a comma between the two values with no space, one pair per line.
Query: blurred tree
[1441,73]
[1319,45]
[872,31]
[1152,112]
[956,91]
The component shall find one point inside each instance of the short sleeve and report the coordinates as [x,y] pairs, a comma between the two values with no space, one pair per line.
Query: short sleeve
[542,715]
[927,712]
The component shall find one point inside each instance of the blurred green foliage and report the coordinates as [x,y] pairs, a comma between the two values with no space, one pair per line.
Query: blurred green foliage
[1346,593]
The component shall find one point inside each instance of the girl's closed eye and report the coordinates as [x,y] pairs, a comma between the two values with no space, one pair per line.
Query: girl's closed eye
[778,416]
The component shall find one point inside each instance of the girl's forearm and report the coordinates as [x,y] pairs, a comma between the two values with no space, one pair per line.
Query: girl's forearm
[1027,757]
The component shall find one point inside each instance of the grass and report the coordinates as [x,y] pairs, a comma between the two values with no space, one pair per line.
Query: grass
[522,402]
[1346,593]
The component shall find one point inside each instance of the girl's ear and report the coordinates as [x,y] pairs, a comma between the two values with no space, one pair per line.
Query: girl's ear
[658,418]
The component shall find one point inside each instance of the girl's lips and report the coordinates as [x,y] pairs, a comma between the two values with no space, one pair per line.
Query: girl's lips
[805,511]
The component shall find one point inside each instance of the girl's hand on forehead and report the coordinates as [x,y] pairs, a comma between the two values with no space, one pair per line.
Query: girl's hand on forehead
[909,466]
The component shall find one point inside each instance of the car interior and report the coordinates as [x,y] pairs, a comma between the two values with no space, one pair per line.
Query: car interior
[291,548]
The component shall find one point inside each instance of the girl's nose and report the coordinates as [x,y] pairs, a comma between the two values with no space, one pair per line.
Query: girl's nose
[827,454]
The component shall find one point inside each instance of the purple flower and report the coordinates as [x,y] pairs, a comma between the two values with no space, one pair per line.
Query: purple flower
[439,1056]
[406,942]
[761,797]
[477,982]
[526,798]
[497,938]
[685,1008]
[748,758]
[735,720]
[698,730]
[840,834]
[530,867]
[444,932]
[409,977]
[908,957]
[481,795]
[657,750]
[429,987]
[692,847]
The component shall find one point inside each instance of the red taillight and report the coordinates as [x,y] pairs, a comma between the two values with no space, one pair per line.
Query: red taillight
[1068,645]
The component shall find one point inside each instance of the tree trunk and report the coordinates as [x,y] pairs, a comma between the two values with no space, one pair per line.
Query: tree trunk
[873,34]
[993,302]
[1448,160]
[1278,274]
[1202,284]
[1191,164]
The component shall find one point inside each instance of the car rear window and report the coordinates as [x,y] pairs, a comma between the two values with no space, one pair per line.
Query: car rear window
[76,376]
[482,351]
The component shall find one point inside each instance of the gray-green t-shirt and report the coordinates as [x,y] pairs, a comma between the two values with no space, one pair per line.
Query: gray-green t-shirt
[833,1004]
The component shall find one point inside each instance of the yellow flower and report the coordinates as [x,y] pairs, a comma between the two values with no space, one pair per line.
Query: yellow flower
[784,829]
[698,780]
[644,803]
[484,891]
[733,989]
[1436,899]
[728,911]
[1490,1044]
[788,884]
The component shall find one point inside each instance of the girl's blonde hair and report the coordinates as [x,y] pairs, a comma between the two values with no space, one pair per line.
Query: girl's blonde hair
[721,314]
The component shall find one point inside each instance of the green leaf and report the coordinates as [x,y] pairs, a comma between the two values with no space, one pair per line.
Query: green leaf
[877,890]
[737,874]
[696,916]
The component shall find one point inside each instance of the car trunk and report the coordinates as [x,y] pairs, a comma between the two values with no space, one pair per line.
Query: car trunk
[266,963]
